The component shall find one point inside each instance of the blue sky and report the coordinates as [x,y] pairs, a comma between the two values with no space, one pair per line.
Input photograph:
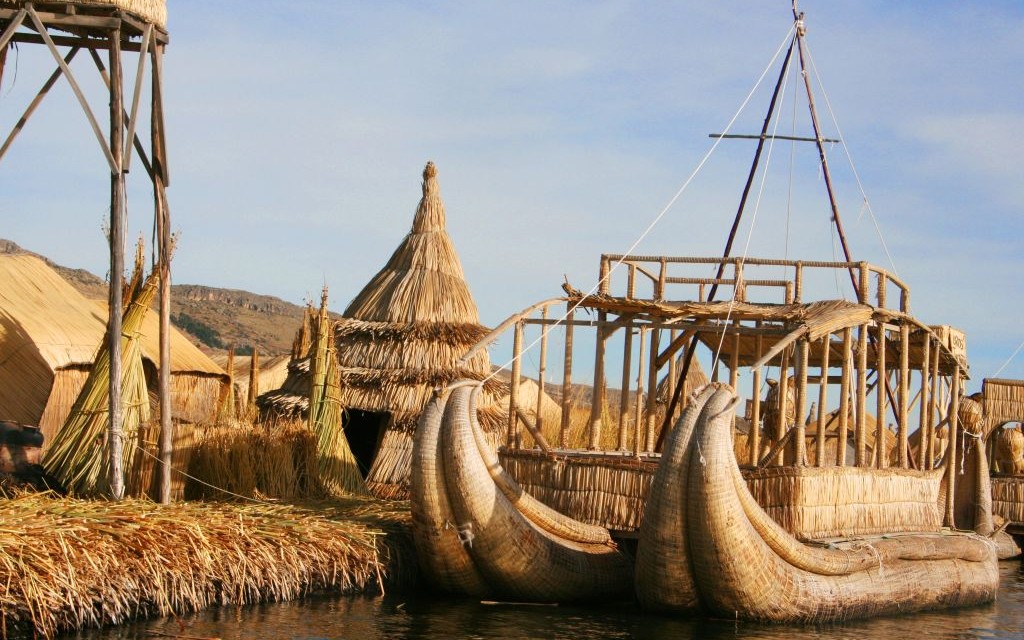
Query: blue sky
[297,132]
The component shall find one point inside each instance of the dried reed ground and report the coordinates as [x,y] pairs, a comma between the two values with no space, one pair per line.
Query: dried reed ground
[68,564]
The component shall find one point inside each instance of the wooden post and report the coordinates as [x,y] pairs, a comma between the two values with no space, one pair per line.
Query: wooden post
[844,397]
[800,437]
[627,363]
[819,449]
[563,431]
[951,450]
[163,217]
[904,392]
[598,393]
[542,370]
[673,370]
[783,400]
[513,394]
[755,410]
[860,424]
[652,391]
[933,395]
[117,200]
[882,376]
[923,444]
[734,374]
[639,410]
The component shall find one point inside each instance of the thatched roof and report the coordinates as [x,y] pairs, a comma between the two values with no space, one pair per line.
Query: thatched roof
[154,11]
[403,334]
[47,326]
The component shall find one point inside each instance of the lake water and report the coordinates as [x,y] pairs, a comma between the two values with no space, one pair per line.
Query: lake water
[417,616]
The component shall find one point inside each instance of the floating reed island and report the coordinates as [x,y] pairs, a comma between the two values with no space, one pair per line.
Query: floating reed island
[69,564]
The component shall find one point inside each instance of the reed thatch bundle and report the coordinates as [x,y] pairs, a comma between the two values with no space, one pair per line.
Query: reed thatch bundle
[68,564]
[399,339]
[78,454]
[1008,497]
[152,11]
[50,334]
[1003,401]
[829,502]
[1010,451]
[609,490]
[339,471]
[275,461]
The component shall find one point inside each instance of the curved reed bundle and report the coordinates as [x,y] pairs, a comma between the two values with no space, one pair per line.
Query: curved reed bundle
[478,533]
[68,564]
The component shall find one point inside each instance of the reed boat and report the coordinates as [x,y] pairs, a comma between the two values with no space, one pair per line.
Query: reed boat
[834,493]
[477,533]
[707,545]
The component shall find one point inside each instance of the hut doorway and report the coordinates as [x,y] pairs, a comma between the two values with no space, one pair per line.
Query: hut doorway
[364,431]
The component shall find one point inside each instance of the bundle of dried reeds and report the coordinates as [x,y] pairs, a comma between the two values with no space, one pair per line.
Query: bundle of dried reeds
[276,460]
[1008,497]
[78,454]
[226,410]
[67,564]
[339,471]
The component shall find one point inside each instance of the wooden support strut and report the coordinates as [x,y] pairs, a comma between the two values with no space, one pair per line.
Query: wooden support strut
[117,195]
[31,108]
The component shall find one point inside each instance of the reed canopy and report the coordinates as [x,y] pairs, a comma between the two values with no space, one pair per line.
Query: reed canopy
[151,11]
[49,336]
[400,338]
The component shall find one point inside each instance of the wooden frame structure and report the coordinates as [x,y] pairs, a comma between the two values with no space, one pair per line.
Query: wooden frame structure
[114,27]
[830,349]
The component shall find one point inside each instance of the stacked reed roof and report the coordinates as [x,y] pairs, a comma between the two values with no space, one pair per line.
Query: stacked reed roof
[400,338]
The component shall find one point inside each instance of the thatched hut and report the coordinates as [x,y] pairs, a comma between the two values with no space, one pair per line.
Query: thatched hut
[400,338]
[49,335]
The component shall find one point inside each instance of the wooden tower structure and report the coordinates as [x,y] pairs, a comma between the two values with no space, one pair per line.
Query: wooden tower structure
[111,29]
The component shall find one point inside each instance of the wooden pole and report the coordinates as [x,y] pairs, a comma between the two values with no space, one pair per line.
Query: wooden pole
[881,455]
[734,373]
[860,424]
[513,394]
[652,392]
[783,401]
[163,217]
[116,266]
[755,410]
[598,393]
[951,449]
[800,450]
[627,364]
[31,108]
[904,393]
[933,395]
[923,424]
[542,370]
[844,397]
[819,443]
[638,411]
[563,435]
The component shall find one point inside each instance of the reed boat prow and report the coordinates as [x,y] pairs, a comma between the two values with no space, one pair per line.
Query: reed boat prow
[745,565]
[478,533]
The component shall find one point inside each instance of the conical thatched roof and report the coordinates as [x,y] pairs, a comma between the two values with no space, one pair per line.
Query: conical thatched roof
[400,338]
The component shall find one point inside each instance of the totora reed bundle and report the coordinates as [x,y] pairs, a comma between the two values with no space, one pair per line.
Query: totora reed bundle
[339,471]
[78,455]
[69,564]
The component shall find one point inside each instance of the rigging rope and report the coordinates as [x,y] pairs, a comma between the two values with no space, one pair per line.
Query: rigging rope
[1008,360]
[657,219]
[849,158]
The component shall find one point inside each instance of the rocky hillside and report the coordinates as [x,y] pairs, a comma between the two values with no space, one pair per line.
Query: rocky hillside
[213,318]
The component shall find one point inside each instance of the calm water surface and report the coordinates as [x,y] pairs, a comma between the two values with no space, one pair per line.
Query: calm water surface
[408,616]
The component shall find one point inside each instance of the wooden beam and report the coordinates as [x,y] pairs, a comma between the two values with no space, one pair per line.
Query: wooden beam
[73,41]
[17,19]
[115,168]
[116,267]
[790,338]
[137,94]
[52,80]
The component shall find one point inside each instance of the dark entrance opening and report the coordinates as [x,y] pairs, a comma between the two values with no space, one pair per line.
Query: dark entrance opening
[364,431]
